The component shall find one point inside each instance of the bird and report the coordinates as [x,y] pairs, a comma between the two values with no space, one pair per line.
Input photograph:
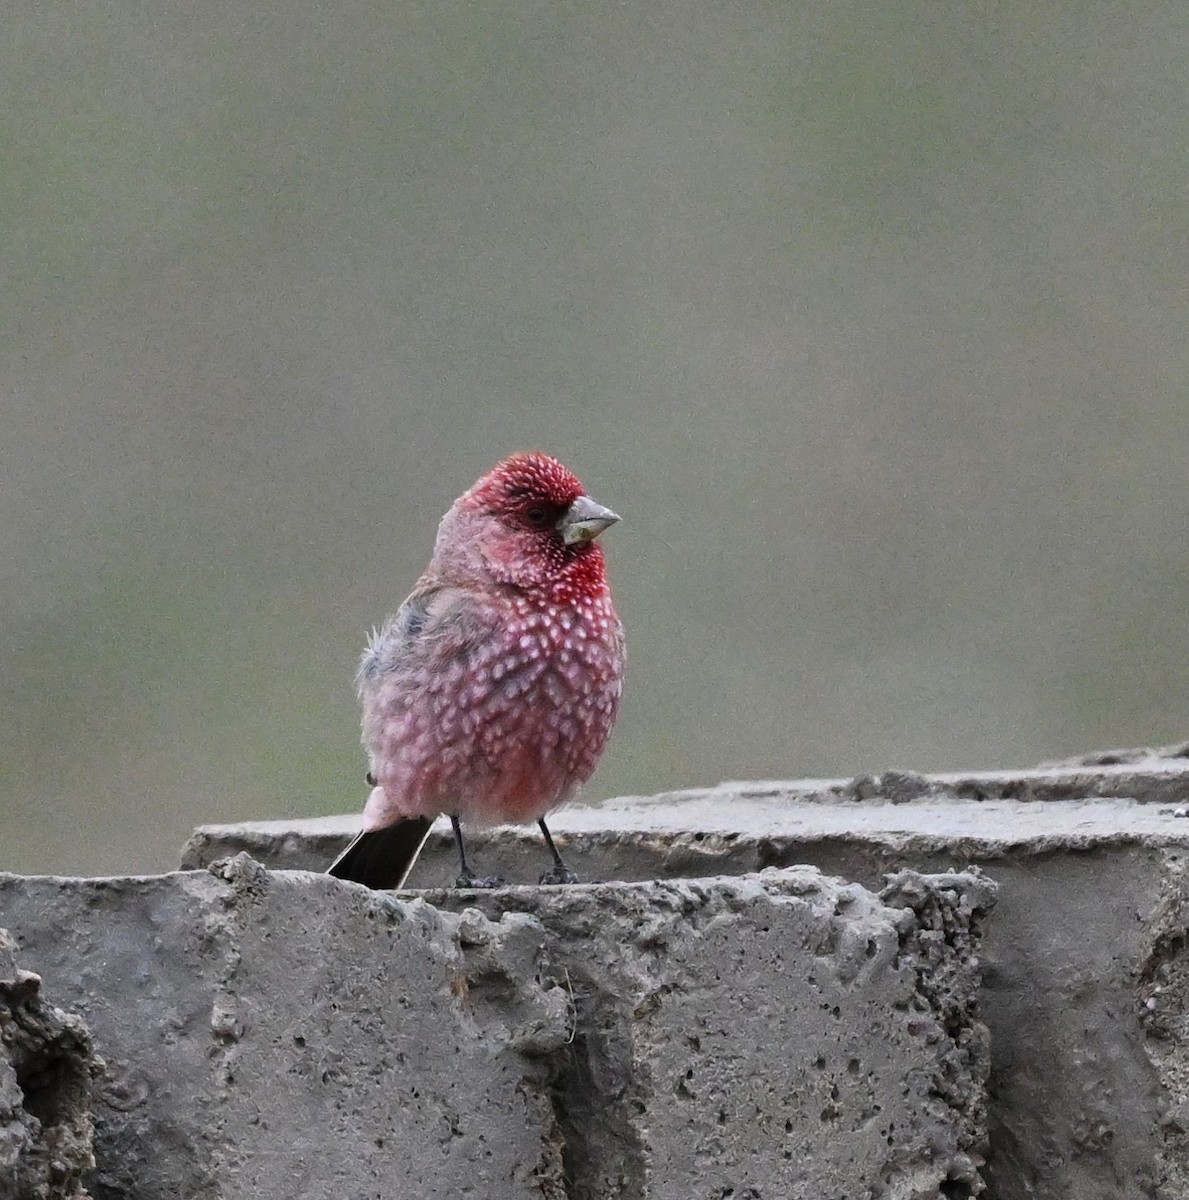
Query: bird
[491,693]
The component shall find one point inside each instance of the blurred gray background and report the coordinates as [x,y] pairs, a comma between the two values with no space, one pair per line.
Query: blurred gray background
[870,318]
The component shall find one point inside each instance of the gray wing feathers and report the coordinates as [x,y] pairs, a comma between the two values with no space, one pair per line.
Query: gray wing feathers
[435,619]
[388,645]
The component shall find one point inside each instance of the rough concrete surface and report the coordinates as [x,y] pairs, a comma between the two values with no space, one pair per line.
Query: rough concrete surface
[780,1035]
[288,1035]
[1089,1089]
[284,1035]
[46,1064]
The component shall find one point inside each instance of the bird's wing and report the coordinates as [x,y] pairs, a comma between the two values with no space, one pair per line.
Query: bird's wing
[437,620]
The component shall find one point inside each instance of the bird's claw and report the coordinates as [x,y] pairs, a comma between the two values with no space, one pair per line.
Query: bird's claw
[559,875]
[480,881]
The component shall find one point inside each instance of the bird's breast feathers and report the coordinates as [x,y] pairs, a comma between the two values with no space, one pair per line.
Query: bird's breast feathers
[524,702]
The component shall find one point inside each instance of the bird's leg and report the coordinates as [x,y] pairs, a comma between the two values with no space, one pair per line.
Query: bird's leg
[560,872]
[466,877]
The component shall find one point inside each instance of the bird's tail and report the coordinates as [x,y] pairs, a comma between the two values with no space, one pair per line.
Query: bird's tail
[383,858]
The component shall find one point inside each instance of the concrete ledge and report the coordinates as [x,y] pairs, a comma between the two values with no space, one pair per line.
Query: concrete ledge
[984,814]
[285,1034]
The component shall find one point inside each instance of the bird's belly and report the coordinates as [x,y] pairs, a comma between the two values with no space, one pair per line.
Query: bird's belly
[505,746]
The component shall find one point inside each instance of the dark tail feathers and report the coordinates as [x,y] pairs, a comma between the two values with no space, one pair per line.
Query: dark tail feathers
[383,858]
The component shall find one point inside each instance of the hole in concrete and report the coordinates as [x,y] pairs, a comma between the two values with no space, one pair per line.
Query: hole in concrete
[53,1075]
[45,1079]
[955,1189]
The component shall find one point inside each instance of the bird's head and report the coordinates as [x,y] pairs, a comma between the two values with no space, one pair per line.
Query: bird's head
[528,523]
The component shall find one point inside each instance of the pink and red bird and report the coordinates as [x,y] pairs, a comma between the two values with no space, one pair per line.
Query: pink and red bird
[491,693]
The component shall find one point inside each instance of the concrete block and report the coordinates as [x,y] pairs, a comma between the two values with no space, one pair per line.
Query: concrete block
[288,1035]
[782,1035]
[1089,1090]
[283,1035]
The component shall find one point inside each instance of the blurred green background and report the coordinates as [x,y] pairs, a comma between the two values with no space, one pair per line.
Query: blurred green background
[870,318]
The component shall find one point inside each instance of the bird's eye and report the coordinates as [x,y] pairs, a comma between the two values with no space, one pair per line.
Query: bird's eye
[537,515]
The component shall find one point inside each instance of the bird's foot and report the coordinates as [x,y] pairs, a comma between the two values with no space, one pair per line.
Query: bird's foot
[559,874]
[480,881]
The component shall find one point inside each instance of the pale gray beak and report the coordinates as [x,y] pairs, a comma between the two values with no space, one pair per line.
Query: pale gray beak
[584,521]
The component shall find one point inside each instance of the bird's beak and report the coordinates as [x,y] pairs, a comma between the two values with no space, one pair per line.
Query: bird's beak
[584,520]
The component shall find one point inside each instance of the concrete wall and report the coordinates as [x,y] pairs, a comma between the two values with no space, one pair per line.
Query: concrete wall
[281,1034]
[751,1007]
